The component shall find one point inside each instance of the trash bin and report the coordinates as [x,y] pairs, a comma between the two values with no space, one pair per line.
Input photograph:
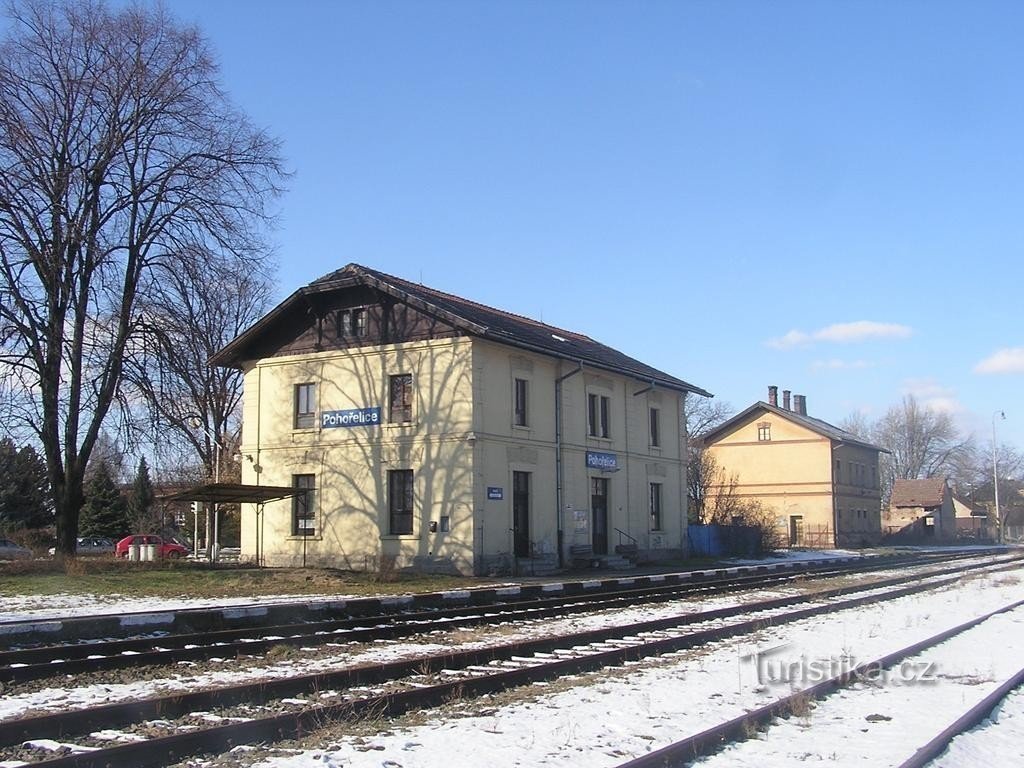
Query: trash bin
[149,552]
[133,552]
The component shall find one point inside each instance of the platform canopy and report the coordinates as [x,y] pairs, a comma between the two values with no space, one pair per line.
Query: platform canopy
[234,493]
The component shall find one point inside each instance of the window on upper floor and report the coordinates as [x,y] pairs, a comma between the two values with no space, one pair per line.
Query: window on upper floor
[764,431]
[401,398]
[351,322]
[305,405]
[655,422]
[598,407]
[520,402]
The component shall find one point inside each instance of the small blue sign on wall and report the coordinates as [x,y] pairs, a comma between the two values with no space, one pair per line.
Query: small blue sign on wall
[354,417]
[600,460]
[494,493]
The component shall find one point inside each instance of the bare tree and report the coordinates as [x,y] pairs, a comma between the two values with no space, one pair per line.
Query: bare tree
[118,153]
[190,313]
[923,443]
[701,416]
[857,424]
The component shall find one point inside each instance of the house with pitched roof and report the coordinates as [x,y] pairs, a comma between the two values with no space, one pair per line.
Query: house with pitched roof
[921,510]
[820,482]
[433,432]
[971,519]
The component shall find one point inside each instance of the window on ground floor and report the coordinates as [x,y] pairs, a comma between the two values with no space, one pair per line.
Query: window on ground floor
[400,502]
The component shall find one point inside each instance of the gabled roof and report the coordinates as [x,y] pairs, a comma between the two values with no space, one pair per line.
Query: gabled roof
[472,318]
[928,492]
[974,510]
[823,428]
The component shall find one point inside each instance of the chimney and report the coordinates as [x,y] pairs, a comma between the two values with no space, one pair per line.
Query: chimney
[773,396]
[800,404]
[785,399]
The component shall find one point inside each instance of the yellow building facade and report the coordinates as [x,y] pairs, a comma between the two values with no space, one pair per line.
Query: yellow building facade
[430,432]
[820,482]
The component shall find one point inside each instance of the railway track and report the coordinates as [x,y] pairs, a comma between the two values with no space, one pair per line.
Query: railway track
[34,663]
[685,751]
[975,715]
[390,689]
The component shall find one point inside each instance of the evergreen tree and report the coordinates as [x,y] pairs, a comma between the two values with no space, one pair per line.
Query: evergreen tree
[105,512]
[24,488]
[140,502]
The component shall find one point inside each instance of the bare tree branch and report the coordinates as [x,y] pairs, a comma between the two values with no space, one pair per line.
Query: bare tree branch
[118,154]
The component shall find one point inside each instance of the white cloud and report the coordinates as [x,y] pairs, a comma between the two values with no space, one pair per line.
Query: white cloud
[843,333]
[1009,360]
[933,395]
[840,365]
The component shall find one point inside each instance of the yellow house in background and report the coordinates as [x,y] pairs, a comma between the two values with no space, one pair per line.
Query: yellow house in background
[429,431]
[821,482]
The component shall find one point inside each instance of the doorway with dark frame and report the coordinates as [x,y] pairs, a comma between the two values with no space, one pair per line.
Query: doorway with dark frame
[599,514]
[521,513]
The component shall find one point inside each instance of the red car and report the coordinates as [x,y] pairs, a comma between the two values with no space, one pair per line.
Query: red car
[163,548]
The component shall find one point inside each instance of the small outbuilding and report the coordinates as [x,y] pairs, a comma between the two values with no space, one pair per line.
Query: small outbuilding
[921,510]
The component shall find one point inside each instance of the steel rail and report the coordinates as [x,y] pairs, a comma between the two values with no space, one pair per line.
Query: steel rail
[68,659]
[972,717]
[686,750]
[163,750]
[362,608]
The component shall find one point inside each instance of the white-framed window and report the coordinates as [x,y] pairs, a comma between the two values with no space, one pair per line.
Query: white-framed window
[598,415]
[521,402]
[305,405]
[351,322]
[655,427]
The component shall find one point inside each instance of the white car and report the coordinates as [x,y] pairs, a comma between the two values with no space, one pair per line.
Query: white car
[91,545]
[11,551]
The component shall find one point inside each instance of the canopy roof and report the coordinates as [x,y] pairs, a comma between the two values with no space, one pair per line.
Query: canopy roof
[234,493]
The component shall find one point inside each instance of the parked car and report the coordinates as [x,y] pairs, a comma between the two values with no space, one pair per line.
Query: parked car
[91,545]
[164,548]
[11,551]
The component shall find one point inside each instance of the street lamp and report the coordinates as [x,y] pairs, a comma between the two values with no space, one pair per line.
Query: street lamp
[995,476]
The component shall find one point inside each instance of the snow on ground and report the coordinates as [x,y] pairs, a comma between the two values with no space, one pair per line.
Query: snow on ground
[29,607]
[33,607]
[622,717]
[999,740]
[879,725]
[328,658]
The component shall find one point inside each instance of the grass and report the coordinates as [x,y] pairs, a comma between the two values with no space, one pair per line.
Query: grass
[105,576]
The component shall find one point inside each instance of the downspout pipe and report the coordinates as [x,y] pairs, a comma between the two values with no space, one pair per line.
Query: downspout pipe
[558,461]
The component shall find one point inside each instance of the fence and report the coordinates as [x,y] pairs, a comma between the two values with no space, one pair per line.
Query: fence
[724,540]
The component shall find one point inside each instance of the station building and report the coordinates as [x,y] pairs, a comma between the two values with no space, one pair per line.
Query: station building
[432,432]
[821,482]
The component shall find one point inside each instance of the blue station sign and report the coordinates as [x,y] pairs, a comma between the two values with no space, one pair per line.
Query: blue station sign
[601,460]
[354,417]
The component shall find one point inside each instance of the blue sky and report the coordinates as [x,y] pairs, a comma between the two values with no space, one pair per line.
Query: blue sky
[825,196]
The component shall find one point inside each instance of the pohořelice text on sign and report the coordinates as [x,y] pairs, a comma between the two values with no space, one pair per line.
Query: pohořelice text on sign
[600,460]
[354,417]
